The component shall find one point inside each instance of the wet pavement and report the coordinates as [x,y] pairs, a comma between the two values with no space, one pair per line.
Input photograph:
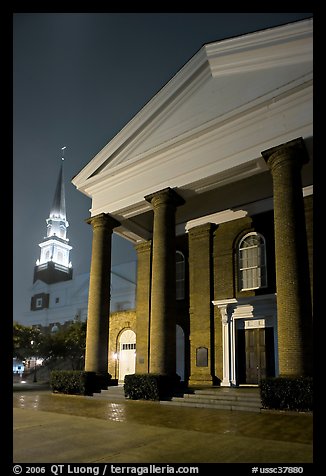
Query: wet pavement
[59,428]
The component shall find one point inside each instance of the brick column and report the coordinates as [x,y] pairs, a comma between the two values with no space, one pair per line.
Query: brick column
[97,335]
[143,305]
[292,270]
[201,308]
[163,294]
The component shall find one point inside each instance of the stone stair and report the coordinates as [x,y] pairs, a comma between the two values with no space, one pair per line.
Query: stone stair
[115,392]
[221,398]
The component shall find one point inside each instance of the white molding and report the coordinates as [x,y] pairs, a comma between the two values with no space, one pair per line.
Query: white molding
[224,302]
[178,167]
[246,120]
[255,324]
[163,96]
[228,215]
[309,190]
[255,311]
[56,244]
[289,44]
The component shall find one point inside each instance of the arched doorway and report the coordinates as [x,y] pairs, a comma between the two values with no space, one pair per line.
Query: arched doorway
[127,353]
[180,352]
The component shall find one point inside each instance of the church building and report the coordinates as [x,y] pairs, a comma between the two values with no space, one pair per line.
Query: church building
[57,297]
[212,180]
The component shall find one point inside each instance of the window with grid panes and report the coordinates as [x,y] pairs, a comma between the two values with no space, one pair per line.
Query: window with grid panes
[252,262]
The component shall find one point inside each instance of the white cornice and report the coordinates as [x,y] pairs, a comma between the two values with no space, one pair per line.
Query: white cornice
[56,243]
[186,73]
[256,129]
[224,127]
[306,191]
[285,45]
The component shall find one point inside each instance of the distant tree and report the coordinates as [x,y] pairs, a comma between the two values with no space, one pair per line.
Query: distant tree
[68,343]
[74,340]
[26,341]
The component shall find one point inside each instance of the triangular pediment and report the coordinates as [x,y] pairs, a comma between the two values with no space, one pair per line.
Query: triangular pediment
[221,81]
[215,100]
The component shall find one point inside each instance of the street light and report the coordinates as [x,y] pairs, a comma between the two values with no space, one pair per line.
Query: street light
[34,378]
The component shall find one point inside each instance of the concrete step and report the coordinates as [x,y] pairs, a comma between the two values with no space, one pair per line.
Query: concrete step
[214,406]
[224,398]
[214,398]
[112,393]
[212,401]
[227,392]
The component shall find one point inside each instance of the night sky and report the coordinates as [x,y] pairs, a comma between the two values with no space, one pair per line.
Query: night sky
[78,78]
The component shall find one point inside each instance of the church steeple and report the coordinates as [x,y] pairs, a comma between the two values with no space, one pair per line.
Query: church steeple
[54,265]
[58,209]
[57,222]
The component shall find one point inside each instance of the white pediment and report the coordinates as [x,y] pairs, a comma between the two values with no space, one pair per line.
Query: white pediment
[232,100]
[212,100]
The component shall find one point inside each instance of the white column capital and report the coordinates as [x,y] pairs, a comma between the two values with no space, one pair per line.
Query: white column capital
[224,307]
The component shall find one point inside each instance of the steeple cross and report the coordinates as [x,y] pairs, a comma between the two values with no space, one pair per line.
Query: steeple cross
[63,152]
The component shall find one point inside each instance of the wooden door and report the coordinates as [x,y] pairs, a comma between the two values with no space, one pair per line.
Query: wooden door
[255,343]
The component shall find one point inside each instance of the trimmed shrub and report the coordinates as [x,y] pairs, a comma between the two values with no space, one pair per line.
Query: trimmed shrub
[78,382]
[287,393]
[149,386]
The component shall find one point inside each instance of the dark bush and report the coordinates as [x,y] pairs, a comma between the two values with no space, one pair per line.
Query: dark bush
[287,393]
[150,386]
[78,382]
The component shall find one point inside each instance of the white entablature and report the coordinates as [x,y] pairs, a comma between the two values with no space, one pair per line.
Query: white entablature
[208,125]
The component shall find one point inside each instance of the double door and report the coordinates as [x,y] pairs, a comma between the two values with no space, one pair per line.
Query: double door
[255,355]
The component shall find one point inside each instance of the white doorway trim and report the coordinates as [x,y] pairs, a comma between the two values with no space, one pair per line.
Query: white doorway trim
[127,353]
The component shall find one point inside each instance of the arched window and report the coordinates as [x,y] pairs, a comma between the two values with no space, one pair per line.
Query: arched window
[252,262]
[180,275]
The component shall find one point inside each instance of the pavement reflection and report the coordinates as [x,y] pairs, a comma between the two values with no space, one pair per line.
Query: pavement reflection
[280,427]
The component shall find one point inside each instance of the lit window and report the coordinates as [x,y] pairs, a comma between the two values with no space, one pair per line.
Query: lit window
[180,275]
[252,262]
[128,346]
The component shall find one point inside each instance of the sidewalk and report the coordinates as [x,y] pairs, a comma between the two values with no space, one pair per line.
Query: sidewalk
[56,428]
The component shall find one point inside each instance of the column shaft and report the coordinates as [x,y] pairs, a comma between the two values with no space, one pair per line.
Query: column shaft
[143,305]
[201,309]
[292,271]
[163,297]
[97,335]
